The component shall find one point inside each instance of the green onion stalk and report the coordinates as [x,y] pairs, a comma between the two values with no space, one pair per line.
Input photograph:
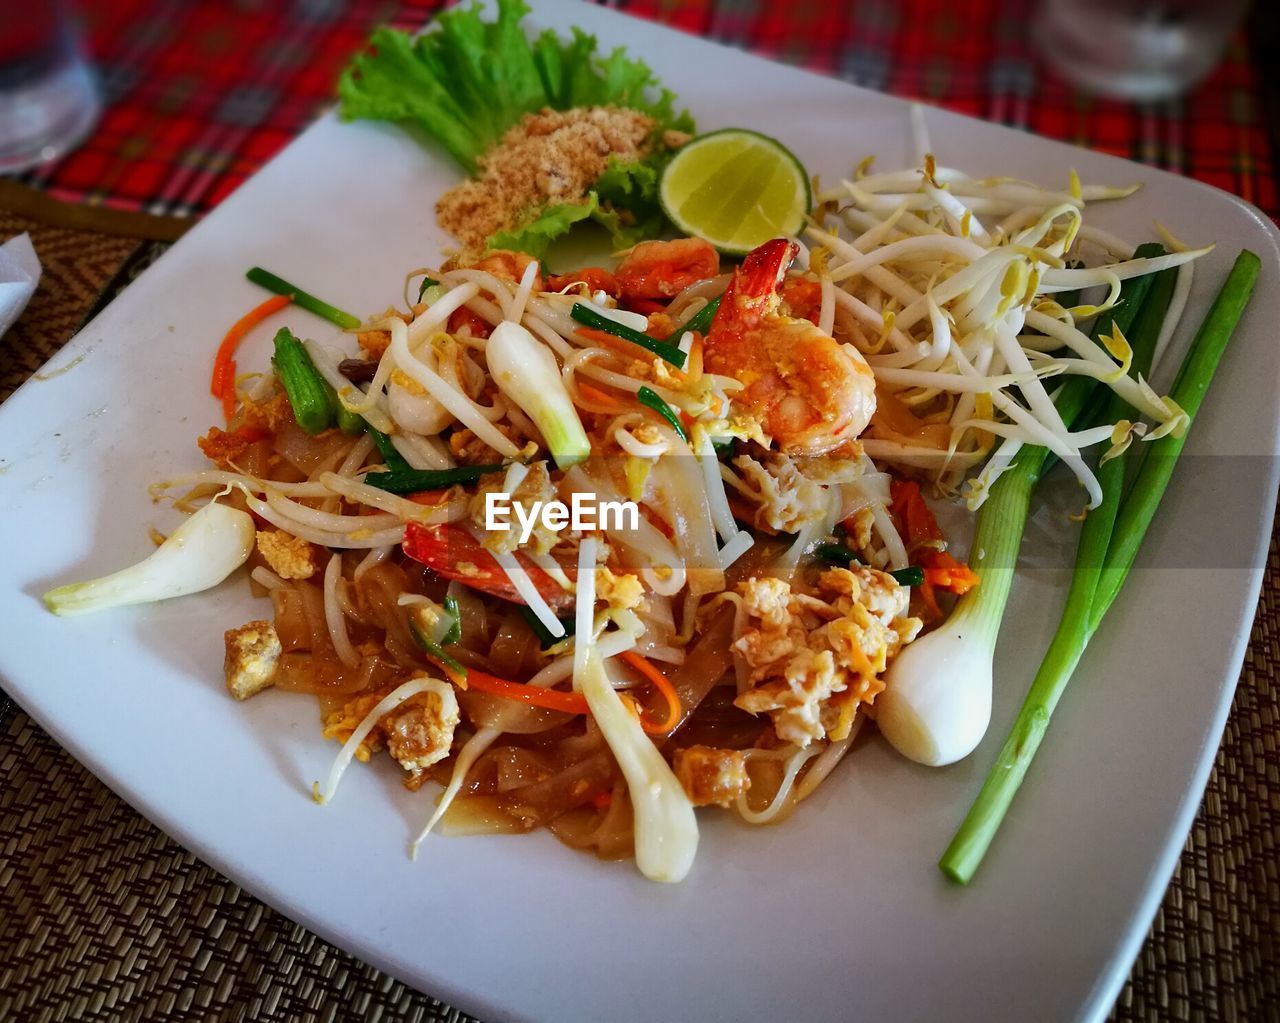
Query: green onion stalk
[1109,543]
[413,481]
[589,317]
[279,286]
[700,322]
[936,706]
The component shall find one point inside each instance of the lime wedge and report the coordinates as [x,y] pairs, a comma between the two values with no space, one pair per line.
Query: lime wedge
[735,188]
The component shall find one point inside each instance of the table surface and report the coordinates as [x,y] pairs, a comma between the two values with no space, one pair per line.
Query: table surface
[107,917]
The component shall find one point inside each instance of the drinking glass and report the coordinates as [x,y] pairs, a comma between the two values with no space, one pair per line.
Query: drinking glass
[48,97]
[1135,49]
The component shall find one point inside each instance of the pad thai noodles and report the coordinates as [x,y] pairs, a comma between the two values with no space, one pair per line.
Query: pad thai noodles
[585,551]
[775,425]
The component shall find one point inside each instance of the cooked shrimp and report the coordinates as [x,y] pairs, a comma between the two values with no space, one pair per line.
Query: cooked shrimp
[810,393]
[662,269]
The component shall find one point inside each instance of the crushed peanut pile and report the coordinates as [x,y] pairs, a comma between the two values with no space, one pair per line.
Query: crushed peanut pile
[549,157]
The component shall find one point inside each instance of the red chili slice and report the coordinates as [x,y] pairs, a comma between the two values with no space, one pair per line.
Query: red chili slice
[455,554]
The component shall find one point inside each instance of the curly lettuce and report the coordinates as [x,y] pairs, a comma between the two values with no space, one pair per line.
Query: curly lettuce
[624,202]
[465,83]
[470,80]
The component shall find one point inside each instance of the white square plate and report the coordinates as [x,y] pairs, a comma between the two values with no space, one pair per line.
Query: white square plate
[841,912]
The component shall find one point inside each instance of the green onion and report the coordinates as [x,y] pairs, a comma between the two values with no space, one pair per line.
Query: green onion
[649,398]
[837,554]
[348,422]
[699,321]
[446,631]
[541,631]
[527,373]
[588,317]
[454,632]
[936,706]
[392,458]
[200,553]
[1157,458]
[434,648]
[308,393]
[912,575]
[411,481]
[278,285]
[1109,544]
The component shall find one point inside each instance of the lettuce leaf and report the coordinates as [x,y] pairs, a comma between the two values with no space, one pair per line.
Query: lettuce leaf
[632,187]
[552,222]
[469,80]
[624,202]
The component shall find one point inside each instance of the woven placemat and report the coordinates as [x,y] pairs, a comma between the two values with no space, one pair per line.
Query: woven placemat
[104,917]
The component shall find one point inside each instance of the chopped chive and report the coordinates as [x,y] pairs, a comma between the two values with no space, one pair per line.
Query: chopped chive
[411,481]
[306,389]
[541,631]
[699,321]
[649,398]
[588,317]
[390,456]
[278,285]
[435,649]
[912,575]
[837,554]
[349,422]
[454,632]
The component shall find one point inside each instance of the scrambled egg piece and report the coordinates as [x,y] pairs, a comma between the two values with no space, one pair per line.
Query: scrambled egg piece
[417,734]
[813,659]
[785,498]
[420,733]
[290,557]
[622,592]
[711,776]
[253,651]
[859,526]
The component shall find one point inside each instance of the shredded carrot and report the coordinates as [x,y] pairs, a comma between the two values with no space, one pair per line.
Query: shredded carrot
[694,368]
[603,397]
[228,400]
[920,529]
[223,382]
[910,513]
[612,342]
[946,573]
[664,686]
[551,699]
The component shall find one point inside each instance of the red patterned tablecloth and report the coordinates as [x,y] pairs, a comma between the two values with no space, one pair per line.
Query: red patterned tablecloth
[200,94]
